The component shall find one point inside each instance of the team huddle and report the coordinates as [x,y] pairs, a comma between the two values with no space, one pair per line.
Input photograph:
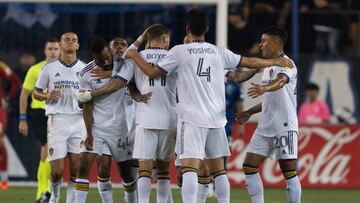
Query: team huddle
[143,109]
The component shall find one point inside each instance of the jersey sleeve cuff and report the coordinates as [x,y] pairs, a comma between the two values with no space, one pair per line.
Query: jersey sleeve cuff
[163,70]
[286,76]
[120,78]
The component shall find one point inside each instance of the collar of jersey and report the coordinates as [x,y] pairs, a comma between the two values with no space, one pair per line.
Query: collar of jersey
[70,65]
[198,41]
[155,48]
[282,54]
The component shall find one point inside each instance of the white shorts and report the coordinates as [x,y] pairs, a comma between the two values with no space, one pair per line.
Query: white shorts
[283,145]
[65,133]
[119,147]
[154,144]
[201,143]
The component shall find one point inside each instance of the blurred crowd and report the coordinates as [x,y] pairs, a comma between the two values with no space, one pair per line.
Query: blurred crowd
[326,27]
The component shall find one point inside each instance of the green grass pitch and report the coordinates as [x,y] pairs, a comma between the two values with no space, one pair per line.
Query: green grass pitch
[27,194]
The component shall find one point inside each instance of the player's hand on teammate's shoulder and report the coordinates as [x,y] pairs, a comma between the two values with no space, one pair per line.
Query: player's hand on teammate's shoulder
[242,117]
[129,53]
[53,95]
[285,62]
[89,142]
[100,73]
[256,90]
[142,97]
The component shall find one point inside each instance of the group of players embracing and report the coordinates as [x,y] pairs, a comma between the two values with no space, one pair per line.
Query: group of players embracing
[144,108]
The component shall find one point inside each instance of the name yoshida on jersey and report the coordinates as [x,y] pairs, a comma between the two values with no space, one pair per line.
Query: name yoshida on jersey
[162,102]
[63,77]
[279,107]
[200,69]
[109,108]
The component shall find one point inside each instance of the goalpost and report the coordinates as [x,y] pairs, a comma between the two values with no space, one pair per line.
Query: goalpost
[221,10]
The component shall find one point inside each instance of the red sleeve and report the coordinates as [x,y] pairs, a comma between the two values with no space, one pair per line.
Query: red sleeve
[15,83]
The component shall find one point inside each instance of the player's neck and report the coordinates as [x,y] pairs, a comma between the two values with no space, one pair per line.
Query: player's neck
[68,58]
[154,44]
[277,54]
[200,38]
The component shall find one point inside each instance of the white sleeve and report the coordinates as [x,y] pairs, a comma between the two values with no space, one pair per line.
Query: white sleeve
[230,59]
[43,80]
[169,63]
[290,73]
[126,72]
[84,84]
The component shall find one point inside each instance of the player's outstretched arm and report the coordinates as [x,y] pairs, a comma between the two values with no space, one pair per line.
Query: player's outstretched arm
[240,77]
[257,90]
[88,120]
[244,116]
[259,63]
[148,69]
[115,84]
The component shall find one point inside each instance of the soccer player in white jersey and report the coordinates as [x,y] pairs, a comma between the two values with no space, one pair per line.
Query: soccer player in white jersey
[200,84]
[277,130]
[154,138]
[66,126]
[103,137]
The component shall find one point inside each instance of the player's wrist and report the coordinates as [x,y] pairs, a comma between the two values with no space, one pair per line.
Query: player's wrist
[23,117]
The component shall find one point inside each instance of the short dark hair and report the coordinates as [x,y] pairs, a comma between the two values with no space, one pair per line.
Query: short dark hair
[312,86]
[96,44]
[276,31]
[197,21]
[52,40]
[156,31]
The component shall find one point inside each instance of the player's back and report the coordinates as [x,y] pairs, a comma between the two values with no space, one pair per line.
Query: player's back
[279,107]
[108,110]
[57,75]
[201,82]
[162,102]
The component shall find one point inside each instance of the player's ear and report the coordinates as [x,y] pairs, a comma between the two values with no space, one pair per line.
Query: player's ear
[187,29]
[207,29]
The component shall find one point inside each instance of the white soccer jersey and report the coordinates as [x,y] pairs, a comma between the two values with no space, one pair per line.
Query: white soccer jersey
[278,107]
[200,82]
[159,111]
[58,75]
[108,110]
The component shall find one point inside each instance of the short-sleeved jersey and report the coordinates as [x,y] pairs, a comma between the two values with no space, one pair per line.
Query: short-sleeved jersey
[278,107]
[159,111]
[108,110]
[58,75]
[200,84]
[30,82]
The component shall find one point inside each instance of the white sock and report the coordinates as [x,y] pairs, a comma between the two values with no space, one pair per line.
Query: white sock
[170,197]
[4,176]
[144,189]
[163,189]
[202,193]
[105,191]
[189,187]
[81,190]
[70,192]
[222,188]
[293,189]
[130,192]
[255,188]
[55,191]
